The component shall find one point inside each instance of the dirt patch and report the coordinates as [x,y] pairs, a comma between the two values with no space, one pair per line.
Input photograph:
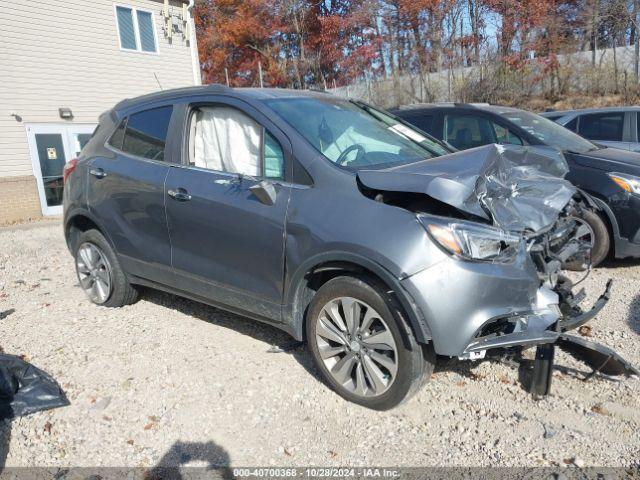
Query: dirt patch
[168,379]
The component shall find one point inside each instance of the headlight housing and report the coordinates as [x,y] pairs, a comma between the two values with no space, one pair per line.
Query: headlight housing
[629,183]
[473,241]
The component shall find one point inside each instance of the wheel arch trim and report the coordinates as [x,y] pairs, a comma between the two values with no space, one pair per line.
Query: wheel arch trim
[295,306]
[81,212]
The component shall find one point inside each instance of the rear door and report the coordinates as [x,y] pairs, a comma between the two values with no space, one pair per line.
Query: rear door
[634,142]
[226,207]
[126,192]
[606,128]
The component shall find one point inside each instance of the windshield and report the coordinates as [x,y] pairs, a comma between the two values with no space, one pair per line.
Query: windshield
[351,136]
[549,132]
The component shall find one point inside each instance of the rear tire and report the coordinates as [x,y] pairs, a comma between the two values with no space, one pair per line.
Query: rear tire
[99,272]
[373,359]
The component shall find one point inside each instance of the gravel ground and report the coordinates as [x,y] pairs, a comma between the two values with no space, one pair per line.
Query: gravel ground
[168,379]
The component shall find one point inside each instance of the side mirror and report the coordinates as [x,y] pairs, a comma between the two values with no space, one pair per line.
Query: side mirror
[265,191]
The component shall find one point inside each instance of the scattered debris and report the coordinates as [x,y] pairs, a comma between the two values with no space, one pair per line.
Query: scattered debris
[585,331]
[101,404]
[599,408]
[600,358]
[4,314]
[285,348]
[549,431]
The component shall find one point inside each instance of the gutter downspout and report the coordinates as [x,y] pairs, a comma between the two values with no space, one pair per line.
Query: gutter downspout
[193,44]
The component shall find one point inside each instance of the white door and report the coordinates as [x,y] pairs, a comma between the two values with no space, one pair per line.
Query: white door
[52,146]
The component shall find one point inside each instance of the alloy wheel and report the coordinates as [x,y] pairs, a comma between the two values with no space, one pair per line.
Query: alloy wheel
[94,272]
[583,234]
[356,346]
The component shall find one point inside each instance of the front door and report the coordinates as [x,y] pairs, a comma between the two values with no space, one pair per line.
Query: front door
[51,146]
[227,239]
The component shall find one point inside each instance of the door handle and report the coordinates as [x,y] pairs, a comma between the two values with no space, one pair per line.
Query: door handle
[179,194]
[98,172]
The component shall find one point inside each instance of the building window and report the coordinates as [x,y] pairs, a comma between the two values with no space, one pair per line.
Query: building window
[136,30]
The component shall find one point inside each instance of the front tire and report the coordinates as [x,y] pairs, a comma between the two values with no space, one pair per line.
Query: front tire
[595,228]
[361,345]
[99,272]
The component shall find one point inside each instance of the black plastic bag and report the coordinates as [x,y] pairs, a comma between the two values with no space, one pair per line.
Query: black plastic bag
[25,389]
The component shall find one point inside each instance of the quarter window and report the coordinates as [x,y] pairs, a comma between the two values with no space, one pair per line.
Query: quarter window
[602,126]
[145,134]
[225,139]
[135,29]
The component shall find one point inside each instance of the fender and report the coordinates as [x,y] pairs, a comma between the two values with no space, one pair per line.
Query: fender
[83,212]
[612,218]
[415,318]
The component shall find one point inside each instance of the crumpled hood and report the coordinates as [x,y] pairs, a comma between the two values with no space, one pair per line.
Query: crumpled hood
[518,188]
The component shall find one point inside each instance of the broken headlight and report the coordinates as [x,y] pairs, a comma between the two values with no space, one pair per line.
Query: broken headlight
[628,183]
[474,241]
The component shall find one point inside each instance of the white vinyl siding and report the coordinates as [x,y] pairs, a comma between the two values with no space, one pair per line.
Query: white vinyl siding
[67,54]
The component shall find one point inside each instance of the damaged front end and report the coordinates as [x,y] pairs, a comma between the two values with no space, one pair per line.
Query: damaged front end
[510,226]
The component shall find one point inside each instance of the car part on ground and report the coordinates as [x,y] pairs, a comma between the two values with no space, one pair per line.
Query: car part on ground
[25,389]
[600,358]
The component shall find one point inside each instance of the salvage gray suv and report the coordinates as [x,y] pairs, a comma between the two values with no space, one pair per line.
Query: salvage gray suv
[331,220]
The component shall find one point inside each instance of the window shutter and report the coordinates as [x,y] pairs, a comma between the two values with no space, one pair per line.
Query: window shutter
[125,28]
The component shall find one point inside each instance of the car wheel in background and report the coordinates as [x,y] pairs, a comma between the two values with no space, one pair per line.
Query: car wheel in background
[99,272]
[593,227]
[362,346]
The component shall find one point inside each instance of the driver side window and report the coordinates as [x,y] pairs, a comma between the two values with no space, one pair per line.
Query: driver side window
[225,139]
[467,131]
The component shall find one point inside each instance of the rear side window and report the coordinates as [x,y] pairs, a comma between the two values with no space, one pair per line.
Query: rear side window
[146,133]
[602,126]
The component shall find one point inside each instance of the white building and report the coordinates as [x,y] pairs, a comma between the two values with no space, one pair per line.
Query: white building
[63,63]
